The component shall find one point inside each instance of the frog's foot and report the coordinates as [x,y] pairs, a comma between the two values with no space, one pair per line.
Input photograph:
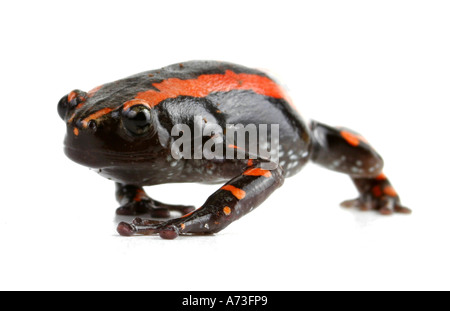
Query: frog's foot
[135,202]
[135,208]
[385,202]
[168,230]
[377,194]
[386,206]
[153,208]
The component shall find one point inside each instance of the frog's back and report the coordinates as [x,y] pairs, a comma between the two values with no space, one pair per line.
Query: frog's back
[230,94]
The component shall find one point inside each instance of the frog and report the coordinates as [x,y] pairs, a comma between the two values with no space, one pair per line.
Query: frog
[124,131]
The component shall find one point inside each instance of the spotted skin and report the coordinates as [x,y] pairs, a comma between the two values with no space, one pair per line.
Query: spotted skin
[105,134]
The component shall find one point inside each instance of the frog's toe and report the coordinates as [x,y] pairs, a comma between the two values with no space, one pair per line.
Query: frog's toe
[390,205]
[169,232]
[125,229]
[385,206]
[359,204]
[146,222]
[138,227]
[152,208]
[183,209]
[159,212]
[402,209]
[133,209]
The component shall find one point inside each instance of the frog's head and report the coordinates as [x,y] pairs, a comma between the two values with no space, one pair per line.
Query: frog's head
[107,127]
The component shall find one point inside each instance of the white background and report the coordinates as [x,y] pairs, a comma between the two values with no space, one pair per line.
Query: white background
[379,67]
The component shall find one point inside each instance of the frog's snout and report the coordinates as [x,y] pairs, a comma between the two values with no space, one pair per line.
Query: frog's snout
[63,107]
[70,102]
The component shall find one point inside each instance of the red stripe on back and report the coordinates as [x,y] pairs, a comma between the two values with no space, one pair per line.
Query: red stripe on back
[210,83]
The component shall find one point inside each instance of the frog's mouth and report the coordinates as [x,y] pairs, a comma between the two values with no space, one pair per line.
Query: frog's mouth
[89,158]
[101,159]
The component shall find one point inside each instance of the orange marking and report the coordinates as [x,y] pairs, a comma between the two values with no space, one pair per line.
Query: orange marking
[381,177]
[72,117]
[227,210]
[376,191]
[238,193]
[258,172]
[95,115]
[202,86]
[140,194]
[93,91]
[187,215]
[390,191]
[250,162]
[206,84]
[233,147]
[352,139]
[72,95]
[183,226]
[76,131]
[135,102]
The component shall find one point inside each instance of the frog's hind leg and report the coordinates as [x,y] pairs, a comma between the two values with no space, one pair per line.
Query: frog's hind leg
[346,151]
[134,201]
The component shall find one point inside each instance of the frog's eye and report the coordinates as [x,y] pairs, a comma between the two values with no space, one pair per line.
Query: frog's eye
[137,119]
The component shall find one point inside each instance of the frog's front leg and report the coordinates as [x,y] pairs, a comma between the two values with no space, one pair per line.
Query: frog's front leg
[232,201]
[134,201]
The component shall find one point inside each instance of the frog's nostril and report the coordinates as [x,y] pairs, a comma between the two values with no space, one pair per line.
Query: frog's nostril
[63,107]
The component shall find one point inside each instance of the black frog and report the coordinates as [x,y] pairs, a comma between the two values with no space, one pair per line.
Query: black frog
[123,129]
